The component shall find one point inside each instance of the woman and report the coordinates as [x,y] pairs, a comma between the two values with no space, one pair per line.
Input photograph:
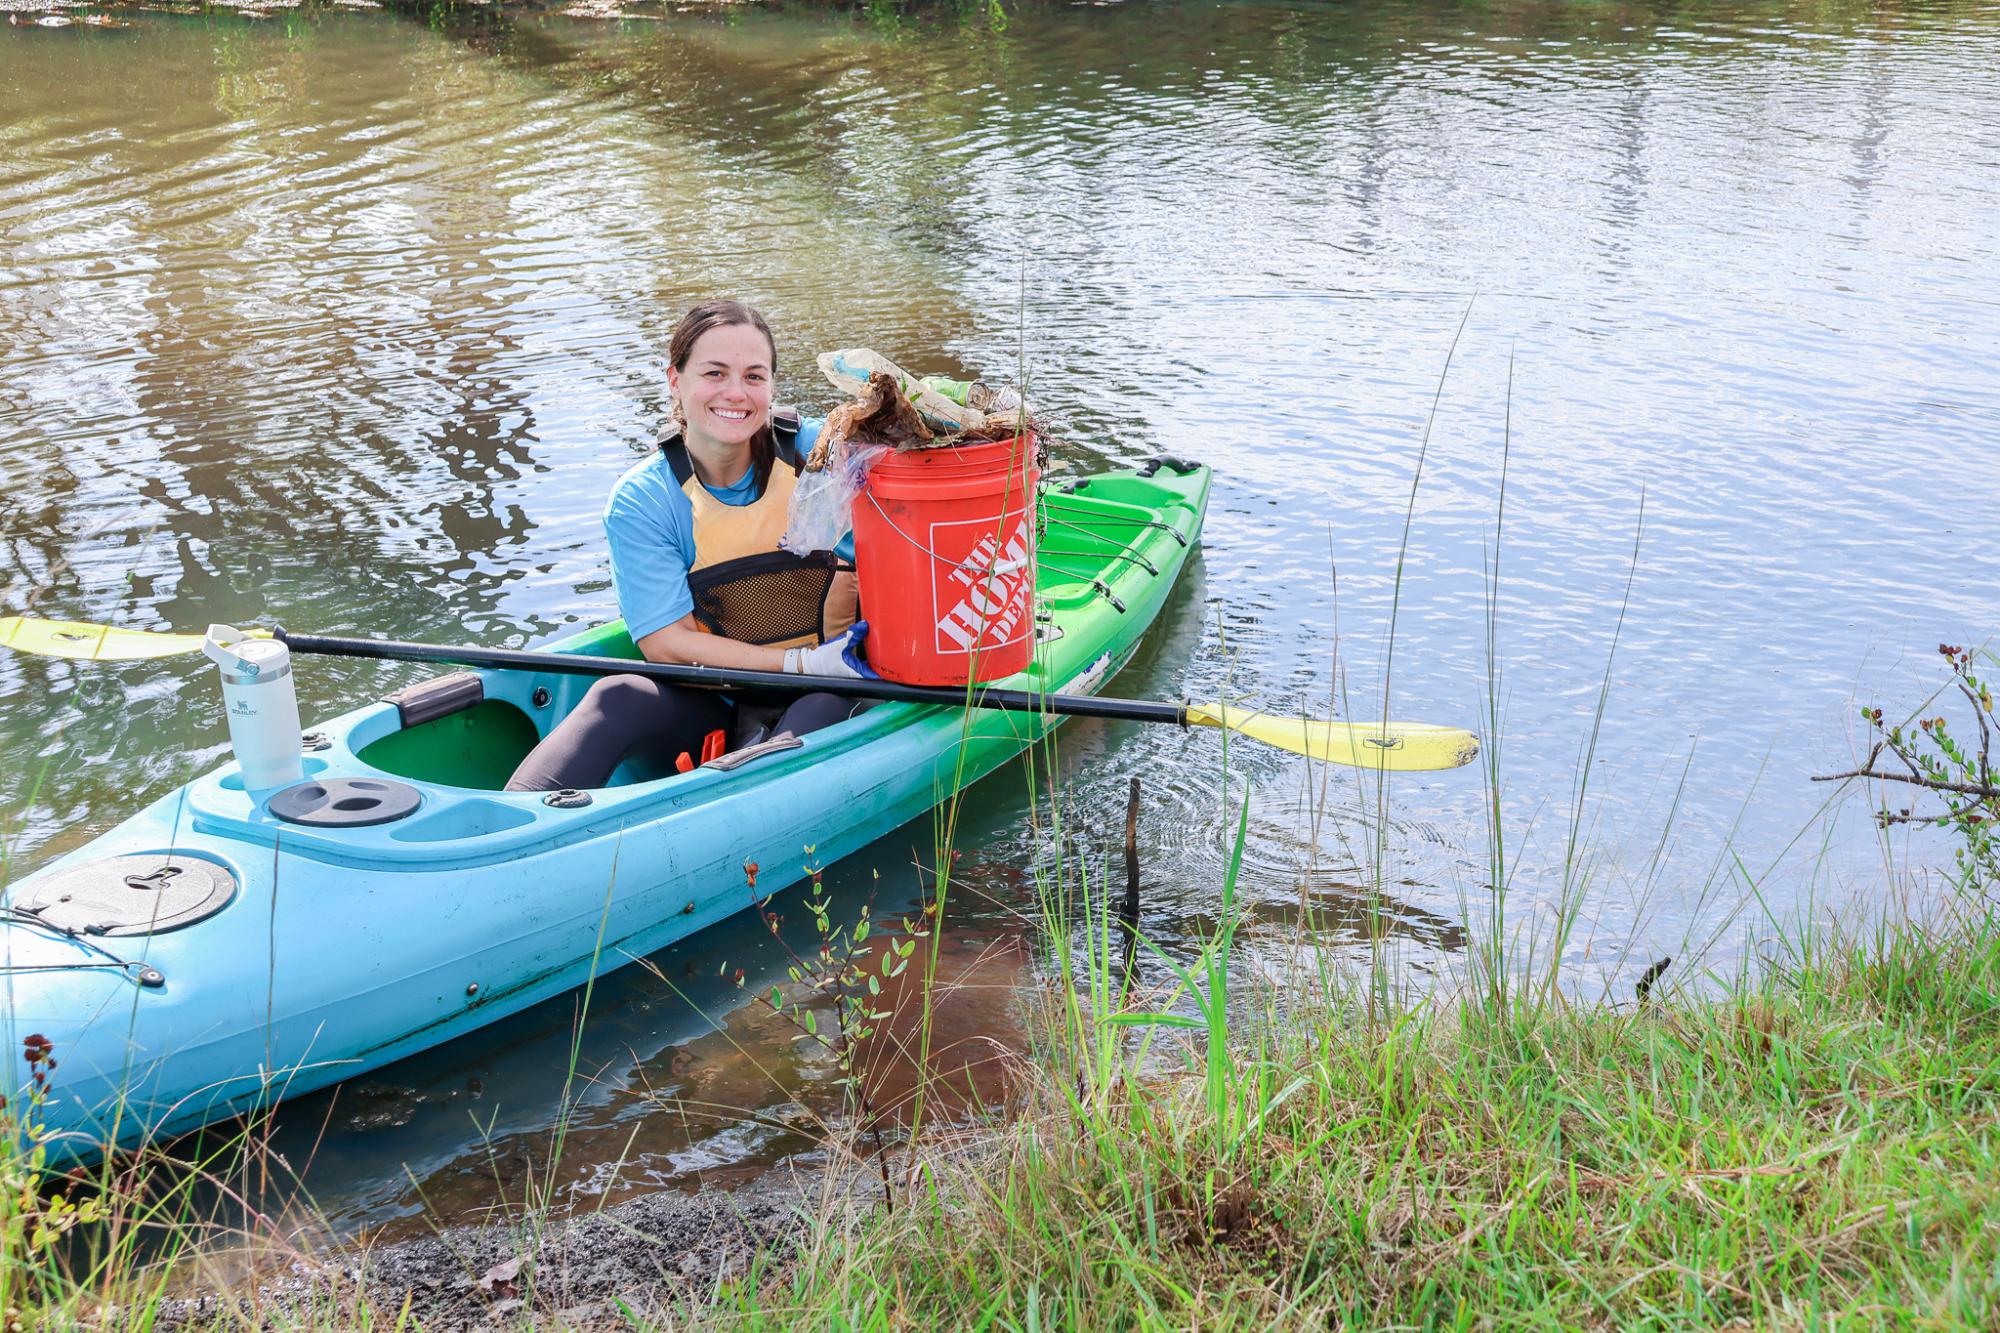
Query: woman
[695,563]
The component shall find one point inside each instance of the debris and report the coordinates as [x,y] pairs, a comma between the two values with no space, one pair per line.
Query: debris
[851,369]
[499,1279]
[880,415]
[892,410]
[1651,975]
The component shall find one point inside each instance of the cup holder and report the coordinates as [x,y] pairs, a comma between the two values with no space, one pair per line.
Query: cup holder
[346,802]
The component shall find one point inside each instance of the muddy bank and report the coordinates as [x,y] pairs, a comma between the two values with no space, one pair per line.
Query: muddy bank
[646,1256]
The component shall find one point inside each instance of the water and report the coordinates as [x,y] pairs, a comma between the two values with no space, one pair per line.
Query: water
[347,320]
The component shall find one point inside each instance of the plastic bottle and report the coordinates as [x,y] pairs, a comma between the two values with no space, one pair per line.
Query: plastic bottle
[262,706]
[976,394]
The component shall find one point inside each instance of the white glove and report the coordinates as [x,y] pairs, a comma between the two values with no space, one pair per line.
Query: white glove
[838,656]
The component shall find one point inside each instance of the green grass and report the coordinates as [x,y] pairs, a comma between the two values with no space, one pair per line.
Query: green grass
[1816,1148]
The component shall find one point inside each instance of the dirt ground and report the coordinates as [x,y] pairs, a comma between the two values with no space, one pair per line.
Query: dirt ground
[659,1253]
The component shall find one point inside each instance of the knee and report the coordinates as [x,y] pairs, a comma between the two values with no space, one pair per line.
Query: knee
[619,695]
[810,712]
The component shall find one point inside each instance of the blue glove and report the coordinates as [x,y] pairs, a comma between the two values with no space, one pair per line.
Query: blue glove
[838,656]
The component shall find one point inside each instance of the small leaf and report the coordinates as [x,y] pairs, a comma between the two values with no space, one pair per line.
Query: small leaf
[812,1022]
[874,986]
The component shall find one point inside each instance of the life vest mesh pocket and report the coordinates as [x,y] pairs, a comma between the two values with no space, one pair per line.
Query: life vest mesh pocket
[769,598]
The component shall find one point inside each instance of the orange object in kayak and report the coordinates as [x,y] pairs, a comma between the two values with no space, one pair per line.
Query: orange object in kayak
[944,541]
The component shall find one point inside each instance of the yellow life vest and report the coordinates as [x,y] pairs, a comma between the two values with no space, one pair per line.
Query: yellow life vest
[744,587]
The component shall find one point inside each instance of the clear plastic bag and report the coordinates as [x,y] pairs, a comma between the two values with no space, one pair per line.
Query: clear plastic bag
[822,508]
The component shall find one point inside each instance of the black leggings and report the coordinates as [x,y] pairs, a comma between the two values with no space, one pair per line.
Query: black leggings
[623,715]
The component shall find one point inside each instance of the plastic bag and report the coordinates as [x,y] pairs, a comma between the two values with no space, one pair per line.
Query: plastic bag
[821,511]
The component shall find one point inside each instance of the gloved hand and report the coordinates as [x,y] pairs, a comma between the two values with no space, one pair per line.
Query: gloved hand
[838,656]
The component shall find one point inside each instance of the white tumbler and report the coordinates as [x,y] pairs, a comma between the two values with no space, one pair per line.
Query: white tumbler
[262,706]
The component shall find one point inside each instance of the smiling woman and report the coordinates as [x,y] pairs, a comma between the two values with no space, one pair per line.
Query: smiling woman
[694,535]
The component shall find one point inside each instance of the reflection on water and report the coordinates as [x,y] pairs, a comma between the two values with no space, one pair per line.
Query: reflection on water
[348,321]
[671,1081]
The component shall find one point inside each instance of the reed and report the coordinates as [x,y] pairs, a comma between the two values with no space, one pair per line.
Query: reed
[1812,1144]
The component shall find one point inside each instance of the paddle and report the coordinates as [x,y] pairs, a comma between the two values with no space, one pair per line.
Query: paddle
[1399,747]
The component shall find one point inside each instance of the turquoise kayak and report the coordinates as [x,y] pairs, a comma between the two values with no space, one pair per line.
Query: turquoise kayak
[209,957]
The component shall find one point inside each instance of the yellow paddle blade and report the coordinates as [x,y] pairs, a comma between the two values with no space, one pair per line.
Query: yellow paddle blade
[1403,747]
[94,643]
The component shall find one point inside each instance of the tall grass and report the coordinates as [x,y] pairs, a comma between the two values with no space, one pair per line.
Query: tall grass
[1814,1146]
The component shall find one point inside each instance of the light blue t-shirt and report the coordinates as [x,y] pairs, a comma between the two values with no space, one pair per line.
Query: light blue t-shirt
[649,524]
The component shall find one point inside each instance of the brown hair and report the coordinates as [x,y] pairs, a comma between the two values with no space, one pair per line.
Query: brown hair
[716,315]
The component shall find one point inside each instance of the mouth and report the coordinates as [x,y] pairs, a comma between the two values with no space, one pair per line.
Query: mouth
[728,414]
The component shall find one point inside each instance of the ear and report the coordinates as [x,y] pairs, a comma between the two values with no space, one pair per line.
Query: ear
[673,380]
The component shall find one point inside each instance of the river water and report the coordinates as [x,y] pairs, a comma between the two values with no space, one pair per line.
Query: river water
[347,318]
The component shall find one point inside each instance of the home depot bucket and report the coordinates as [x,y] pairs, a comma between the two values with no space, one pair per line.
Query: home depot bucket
[944,541]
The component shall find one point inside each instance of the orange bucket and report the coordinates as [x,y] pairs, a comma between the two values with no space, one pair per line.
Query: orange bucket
[944,545]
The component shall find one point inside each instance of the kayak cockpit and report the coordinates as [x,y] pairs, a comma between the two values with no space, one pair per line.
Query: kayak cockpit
[471,730]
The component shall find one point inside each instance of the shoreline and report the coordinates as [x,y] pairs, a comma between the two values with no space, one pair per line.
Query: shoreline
[646,1256]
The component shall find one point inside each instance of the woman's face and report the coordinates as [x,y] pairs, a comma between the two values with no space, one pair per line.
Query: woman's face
[725,388]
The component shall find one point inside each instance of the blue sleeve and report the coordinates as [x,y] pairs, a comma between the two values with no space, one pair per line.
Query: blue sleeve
[652,545]
[809,428]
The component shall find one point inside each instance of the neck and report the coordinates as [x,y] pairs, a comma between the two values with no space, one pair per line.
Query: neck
[717,465]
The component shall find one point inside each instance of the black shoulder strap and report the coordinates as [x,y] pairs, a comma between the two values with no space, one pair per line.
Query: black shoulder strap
[784,429]
[678,461]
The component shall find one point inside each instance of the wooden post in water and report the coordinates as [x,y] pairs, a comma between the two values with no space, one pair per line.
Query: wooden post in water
[1128,912]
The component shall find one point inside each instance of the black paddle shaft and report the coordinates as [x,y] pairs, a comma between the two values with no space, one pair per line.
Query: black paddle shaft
[724,678]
